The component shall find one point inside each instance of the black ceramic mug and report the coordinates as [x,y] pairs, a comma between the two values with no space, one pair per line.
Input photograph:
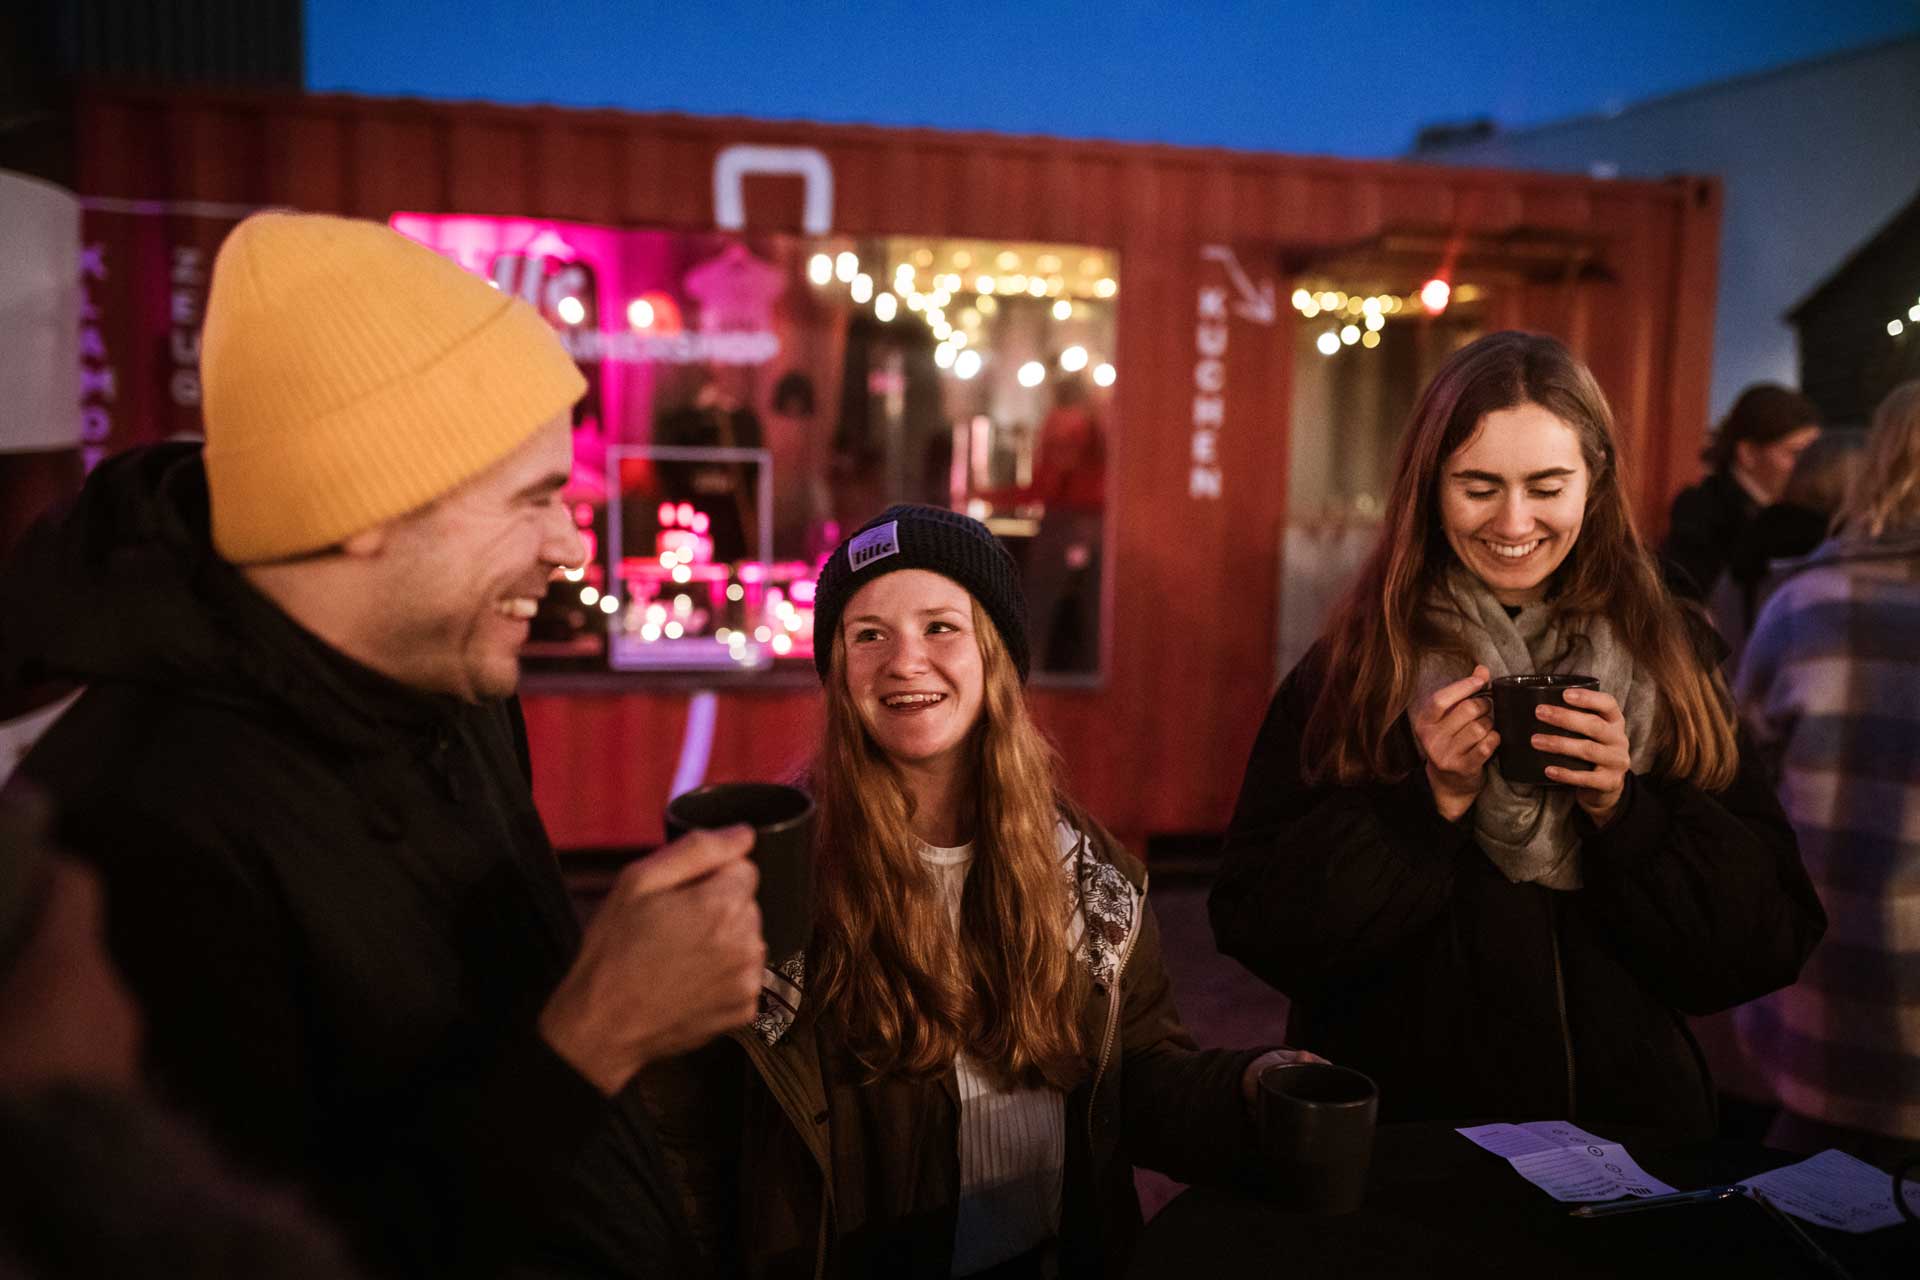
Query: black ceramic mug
[782,822]
[1316,1135]
[1516,704]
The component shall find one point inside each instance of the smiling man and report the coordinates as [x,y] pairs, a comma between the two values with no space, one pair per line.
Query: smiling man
[300,772]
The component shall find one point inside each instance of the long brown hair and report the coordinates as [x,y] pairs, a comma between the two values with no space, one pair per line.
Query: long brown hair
[1380,627]
[1884,497]
[884,962]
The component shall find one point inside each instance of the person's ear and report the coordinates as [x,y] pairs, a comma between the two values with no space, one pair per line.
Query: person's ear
[367,543]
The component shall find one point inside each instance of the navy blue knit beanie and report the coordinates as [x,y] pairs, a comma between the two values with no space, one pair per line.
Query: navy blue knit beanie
[931,538]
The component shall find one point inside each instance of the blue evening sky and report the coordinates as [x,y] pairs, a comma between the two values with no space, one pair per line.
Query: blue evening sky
[1346,77]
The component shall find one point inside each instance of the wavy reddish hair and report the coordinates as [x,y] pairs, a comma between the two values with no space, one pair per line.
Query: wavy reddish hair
[883,960]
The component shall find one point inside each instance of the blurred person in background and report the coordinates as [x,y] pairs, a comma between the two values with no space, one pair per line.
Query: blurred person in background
[40,457]
[1830,684]
[958,1073]
[95,1181]
[1484,948]
[65,1015]
[299,769]
[1711,553]
[1789,529]
[1811,498]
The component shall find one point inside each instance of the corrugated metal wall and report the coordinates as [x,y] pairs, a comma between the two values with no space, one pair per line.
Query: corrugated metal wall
[1161,746]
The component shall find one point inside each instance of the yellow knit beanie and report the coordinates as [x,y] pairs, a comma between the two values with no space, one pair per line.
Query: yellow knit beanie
[351,376]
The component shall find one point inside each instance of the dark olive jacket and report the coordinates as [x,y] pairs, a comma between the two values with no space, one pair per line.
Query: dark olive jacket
[775,1147]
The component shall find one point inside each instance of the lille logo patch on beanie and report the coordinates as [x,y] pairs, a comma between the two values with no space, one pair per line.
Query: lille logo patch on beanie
[875,544]
[913,536]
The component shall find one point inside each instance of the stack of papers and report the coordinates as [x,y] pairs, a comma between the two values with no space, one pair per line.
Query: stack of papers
[1566,1161]
[1832,1189]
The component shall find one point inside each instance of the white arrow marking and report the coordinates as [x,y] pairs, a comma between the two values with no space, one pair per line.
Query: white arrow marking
[1255,304]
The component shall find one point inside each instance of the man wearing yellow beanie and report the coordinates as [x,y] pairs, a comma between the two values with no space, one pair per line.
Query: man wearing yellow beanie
[300,770]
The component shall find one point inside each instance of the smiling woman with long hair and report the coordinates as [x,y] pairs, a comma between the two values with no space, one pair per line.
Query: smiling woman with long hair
[1486,948]
[979,1042]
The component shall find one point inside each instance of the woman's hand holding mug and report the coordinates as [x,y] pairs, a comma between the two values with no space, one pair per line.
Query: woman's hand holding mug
[1455,732]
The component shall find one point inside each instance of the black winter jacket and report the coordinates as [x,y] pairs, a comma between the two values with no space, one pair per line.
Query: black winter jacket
[1710,532]
[1409,956]
[331,895]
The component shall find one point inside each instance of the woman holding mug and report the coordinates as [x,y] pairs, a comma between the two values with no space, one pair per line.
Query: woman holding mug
[1484,949]
[957,1075]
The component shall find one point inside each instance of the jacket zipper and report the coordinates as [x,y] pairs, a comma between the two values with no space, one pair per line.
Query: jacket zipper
[1560,999]
[1113,1008]
[801,1118]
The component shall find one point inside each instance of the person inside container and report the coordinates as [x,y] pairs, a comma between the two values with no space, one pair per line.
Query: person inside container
[1711,552]
[1485,949]
[1830,685]
[1069,481]
[979,1040]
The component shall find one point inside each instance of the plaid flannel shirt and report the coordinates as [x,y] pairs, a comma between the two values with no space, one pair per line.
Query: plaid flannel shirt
[1830,685]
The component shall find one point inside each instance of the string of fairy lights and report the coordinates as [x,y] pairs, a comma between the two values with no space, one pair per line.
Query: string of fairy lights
[1360,319]
[958,300]
[1897,326]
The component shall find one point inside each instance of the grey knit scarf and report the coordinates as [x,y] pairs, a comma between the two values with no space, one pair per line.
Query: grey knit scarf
[1528,831]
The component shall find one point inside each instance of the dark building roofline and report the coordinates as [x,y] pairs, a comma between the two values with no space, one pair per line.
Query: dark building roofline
[1894,227]
[1646,104]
